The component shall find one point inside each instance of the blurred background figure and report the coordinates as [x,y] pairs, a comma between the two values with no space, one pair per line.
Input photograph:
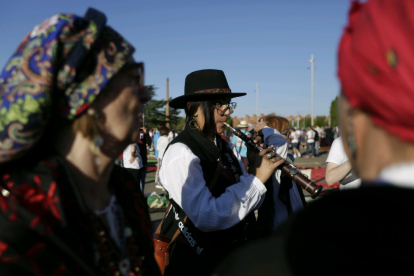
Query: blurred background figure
[156,136]
[132,161]
[284,197]
[162,144]
[240,145]
[339,168]
[310,143]
[144,143]
[294,136]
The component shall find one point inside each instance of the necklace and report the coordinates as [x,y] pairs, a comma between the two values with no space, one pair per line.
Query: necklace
[125,260]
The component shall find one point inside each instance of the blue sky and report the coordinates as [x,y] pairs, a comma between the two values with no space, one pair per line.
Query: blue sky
[265,42]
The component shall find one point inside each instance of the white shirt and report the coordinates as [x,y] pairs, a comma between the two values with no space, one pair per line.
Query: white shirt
[295,137]
[275,138]
[170,136]
[162,144]
[182,177]
[311,136]
[338,156]
[400,175]
[137,164]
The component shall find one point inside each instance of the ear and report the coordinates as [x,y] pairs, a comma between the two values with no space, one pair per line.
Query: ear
[360,123]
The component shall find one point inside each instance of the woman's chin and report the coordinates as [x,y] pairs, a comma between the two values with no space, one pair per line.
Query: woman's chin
[220,129]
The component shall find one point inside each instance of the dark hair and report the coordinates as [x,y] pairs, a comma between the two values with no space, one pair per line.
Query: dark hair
[164,131]
[209,125]
[160,125]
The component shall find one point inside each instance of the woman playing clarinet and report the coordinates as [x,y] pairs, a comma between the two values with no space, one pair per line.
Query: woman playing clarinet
[213,197]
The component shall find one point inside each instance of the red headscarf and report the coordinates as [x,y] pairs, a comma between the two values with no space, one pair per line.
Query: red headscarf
[376,63]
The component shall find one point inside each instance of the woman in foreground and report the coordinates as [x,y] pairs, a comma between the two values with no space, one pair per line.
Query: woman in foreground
[71,101]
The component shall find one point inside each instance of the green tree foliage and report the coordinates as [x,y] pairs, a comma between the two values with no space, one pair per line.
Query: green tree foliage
[154,112]
[334,112]
[230,120]
[320,121]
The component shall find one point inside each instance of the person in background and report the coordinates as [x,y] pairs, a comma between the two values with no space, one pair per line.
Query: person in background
[283,127]
[286,197]
[339,168]
[151,135]
[310,143]
[71,100]
[162,144]
[144,142]
[170,135]
[318,135]
[156,136]
[302,138]
[295,143]
[323,137]
[133,161]
[240,145]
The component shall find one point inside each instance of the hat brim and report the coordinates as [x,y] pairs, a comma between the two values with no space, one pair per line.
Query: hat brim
[181,102]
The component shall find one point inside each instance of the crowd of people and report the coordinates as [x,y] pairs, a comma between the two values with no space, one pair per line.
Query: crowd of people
[72,101]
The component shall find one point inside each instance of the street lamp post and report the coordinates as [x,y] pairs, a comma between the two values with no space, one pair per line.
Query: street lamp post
[312,60]
[257,100]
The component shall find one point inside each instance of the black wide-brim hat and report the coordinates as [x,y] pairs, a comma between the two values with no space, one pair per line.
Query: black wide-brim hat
[204,85]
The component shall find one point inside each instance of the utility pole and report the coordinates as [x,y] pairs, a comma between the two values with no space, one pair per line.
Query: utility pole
[257,99]
[167,108]
[312,60]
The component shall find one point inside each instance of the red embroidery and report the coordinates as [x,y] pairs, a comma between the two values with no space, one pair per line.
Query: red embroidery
[4,205]
[10,184]
[3,248]
[214,90]
[35,199]
[37,180]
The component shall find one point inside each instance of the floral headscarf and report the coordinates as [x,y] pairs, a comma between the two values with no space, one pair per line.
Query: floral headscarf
[63,63]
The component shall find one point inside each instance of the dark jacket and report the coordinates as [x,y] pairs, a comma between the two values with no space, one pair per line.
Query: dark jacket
[45,228]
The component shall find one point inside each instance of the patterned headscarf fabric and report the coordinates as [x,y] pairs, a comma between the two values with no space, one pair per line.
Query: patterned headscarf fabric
[376,63]
[61,65]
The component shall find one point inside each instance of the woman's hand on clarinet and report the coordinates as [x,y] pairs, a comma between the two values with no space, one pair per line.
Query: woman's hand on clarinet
[264,163]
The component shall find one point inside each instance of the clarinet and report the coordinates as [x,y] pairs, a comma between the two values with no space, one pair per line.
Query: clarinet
[287,167]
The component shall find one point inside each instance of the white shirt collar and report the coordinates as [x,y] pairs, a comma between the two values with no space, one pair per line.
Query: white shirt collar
[400,175]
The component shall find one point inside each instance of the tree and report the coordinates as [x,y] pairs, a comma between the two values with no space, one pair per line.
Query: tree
[334,112]
[154,112]
[320,121]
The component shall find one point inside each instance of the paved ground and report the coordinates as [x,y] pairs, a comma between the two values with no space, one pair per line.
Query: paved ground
[318,161]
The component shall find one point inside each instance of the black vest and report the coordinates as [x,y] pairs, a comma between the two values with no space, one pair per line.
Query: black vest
[209,155]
